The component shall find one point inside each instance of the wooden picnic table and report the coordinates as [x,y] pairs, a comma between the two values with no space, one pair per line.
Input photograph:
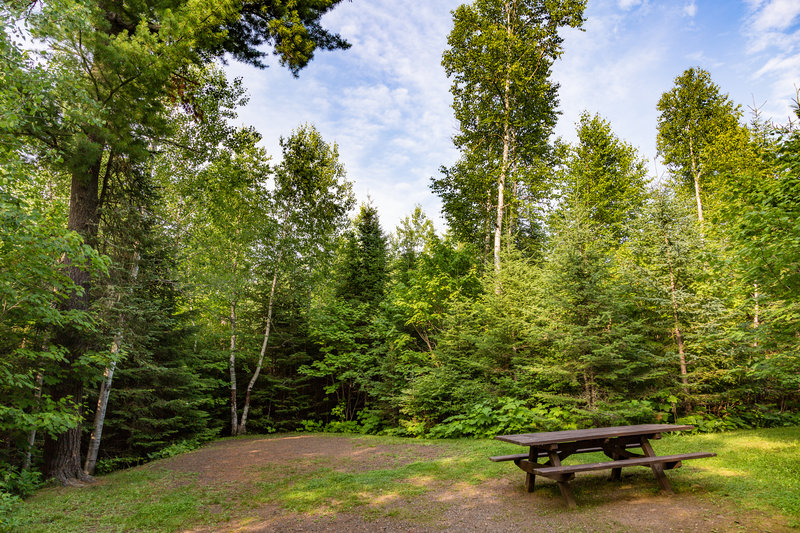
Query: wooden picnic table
[615,442]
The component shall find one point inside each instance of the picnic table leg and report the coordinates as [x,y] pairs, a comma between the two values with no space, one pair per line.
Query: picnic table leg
[530,479]
[616,473]
[563,483]
[658,468]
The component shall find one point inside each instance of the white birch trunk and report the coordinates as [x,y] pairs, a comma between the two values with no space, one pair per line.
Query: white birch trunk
[501,181]
[243,423]
[105,388]
[32,433]
[232,368]
[102,404]
[696,176]
[756,317]
[677,331]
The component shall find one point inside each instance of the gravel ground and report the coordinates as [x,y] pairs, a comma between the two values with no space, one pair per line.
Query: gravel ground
[498,505]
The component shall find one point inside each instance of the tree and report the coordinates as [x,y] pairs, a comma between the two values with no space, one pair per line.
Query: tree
[691,116]
[605,177]
[344,325]
[664,255]
[595,336]
[767,239]
[499,57]
[113,70]
[33,286]
[312,197]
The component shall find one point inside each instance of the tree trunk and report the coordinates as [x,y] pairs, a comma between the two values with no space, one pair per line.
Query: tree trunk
[100,412]
[243,423]
[62,454]
[105,388]
[501,180]
[756,317]
[678,333]
[32,434]
[232,366]
[696,176]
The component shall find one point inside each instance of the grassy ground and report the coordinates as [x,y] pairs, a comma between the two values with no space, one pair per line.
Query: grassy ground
[757,470]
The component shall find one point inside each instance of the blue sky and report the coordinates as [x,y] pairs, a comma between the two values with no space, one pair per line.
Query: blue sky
[386,101]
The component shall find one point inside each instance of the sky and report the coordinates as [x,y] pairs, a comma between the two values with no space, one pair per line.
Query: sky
[386,102]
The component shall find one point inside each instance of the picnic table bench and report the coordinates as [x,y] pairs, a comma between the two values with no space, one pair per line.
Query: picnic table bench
[614,442]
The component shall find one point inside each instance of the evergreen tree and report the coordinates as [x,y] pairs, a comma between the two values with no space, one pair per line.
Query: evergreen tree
[605,177]
[344,326]
[595,337]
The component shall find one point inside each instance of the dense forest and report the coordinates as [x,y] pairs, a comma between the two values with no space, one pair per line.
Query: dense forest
[164,280]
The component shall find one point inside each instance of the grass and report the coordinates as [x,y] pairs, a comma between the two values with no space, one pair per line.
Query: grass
[758,470]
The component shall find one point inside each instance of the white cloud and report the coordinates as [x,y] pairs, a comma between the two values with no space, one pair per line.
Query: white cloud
[386,101]
[776,15]
[773,44]
[628,4]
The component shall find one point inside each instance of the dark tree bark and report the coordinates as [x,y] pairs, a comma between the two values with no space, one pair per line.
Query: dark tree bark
[62,454]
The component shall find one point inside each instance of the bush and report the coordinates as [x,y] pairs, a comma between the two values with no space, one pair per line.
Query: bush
[8,505]
[17,482]
[741,417]
[504,416]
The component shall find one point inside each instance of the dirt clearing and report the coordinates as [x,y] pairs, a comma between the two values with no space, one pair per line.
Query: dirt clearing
[258,465]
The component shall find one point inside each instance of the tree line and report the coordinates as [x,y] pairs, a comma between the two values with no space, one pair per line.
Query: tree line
[165,281]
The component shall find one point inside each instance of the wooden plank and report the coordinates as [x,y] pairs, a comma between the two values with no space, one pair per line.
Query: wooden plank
[542,453]
[576,435]
[551,471]
[514,457]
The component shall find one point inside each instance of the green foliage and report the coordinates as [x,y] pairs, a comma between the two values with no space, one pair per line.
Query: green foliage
[365,268]
[504,416]
[605,176]
[691,118]
[499,58]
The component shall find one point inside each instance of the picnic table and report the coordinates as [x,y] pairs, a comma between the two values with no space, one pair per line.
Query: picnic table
[616,442]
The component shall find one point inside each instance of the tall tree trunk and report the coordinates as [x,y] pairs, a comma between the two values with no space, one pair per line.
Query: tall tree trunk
[756,317]
[243,423]
[32,433]
[232,367]
[62,454]
[501,180]
[678,333]
[696,176]
[105,387]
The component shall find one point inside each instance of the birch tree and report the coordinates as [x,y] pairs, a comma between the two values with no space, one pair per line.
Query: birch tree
[310,203]
[499,57]
[691,117]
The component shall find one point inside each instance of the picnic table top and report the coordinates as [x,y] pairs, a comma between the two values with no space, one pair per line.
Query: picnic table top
[577,435]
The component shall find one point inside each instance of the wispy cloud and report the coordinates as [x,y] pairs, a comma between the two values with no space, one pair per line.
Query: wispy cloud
[775,15]
[386,101]
[773,44]
[628,4]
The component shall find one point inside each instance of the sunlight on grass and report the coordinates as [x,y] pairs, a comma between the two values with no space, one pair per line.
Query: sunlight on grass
[755,469]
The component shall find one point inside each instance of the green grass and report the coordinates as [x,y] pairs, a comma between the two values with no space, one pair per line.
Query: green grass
[133,500]
[757,470]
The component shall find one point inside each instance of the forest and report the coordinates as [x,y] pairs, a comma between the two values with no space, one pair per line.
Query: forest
[165,281]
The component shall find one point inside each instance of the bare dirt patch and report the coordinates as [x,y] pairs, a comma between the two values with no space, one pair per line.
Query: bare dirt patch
[241,460]
[497,505]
